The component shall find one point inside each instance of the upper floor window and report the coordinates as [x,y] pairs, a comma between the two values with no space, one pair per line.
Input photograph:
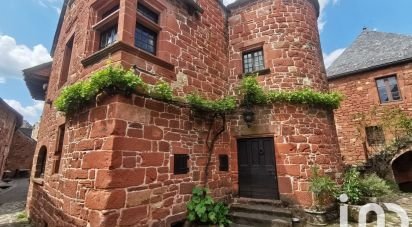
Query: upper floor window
[253,61]
[110,11]
[388,89]
[375,135]
[145,36]
[148,13]
[66,62]
[108,37]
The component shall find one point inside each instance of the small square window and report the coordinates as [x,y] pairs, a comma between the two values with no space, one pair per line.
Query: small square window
[388,89]
[145,39]
[180,164]
[253,61]
[223,163]
[375,135]
[108,37]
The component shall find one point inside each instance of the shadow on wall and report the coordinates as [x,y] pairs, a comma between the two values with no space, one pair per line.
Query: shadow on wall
[402,171]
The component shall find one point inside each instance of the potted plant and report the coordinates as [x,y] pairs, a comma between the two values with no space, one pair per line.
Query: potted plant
[204,211]
[324,190]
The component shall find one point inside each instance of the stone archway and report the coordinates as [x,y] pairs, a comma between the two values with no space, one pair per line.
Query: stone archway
[402,171]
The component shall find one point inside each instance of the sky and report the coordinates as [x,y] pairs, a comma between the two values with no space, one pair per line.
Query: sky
[27,29]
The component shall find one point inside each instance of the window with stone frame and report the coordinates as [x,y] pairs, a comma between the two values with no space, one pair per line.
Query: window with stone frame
[388,89]
[41,163]
[375,135]
[180,164]
[147,29]
[67,58]
[108,37]
[253,61]
[59,148]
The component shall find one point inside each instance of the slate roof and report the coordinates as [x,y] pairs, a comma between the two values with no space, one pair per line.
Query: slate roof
[372,50]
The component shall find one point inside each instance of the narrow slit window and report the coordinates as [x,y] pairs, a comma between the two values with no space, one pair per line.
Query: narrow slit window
[388,89]
[223,163]
[67,58]
[180,164]
[41,163]
[253,61]
[59,150]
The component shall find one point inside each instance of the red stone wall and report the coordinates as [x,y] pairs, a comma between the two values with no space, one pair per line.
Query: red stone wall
[361,96]
[21,152]
[117,167]
[7,128]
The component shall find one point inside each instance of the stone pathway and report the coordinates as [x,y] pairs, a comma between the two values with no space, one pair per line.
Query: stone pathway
[392,219]
[12,204]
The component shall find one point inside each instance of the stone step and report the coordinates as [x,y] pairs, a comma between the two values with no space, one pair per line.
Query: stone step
[259,220]
[276,203]
[273,210]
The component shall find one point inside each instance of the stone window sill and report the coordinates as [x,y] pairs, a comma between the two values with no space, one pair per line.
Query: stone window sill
[121,46]
[391,103]
[39,181]
[259,73]
[107,22]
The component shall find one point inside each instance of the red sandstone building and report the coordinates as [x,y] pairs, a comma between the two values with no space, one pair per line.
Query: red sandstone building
[374,74]
[134,161]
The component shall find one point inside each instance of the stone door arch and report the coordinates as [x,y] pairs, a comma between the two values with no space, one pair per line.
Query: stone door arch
[402,171]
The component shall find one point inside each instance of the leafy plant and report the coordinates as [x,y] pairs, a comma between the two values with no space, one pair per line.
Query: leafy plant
[323,188]
[352,186]
[202,209]
[255,95]
[224,105]
[163,91]
[374,186]
[112,79]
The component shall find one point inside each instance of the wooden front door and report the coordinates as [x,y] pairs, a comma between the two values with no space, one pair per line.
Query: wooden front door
[257,169]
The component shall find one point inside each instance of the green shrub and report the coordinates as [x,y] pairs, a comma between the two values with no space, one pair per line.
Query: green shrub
[352,186]
[202,209]
[255,95]
[224,105]
[323,188]
[163,91]
[374,186]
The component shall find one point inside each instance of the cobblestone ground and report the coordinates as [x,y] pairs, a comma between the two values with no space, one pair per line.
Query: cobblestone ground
[392,219]
[11,215]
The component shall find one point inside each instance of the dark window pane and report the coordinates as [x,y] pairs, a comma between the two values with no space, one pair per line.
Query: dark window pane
[375,135]
[145,39]
[180,164]
[253,61]
[110,11]
[148,13]
[108,37]
[388,89]
[223,163]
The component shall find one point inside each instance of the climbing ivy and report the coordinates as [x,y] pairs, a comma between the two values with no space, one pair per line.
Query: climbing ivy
[255,95]
[117,80]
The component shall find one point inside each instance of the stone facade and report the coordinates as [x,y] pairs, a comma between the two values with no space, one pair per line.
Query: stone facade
[21,153]
[116,166]
[361,98]
[10,120]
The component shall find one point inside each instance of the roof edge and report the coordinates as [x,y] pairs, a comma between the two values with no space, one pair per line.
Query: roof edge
[350,73]
[239,3]
[59,28]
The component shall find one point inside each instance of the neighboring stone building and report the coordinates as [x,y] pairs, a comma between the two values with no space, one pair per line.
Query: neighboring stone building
[20,158]
[134,161]
[374,74]
[10,121]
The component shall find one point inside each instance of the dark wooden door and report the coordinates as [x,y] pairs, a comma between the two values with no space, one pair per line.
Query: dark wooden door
[257,169]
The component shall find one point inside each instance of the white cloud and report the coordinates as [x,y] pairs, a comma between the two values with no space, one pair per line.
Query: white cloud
[227,2]
[15,57]
[51,4]
[2,80]
[331,57]
[322,18]
[30,113]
